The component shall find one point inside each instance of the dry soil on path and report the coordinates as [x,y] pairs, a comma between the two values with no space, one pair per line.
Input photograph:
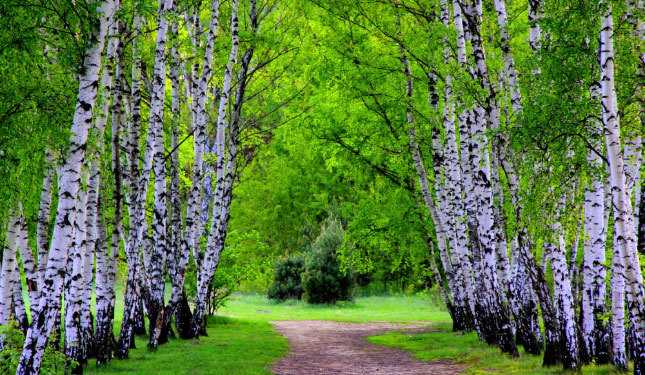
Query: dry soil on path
[333,348]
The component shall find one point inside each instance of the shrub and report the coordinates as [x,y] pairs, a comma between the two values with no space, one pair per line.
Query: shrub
[323,280]
[287,282]
[11,340]
[219,292]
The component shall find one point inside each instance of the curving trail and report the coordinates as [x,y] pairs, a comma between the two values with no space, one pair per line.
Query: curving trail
[333,348]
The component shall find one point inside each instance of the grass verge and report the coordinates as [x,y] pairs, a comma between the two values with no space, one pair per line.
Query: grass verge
[476,355]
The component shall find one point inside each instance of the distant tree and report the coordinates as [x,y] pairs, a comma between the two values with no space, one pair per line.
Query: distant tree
[288,279]
[323,280]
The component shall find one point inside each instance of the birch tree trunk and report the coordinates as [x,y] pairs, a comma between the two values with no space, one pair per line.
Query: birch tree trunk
[641,220]
[563,298]
[10,286]
[179,253]
[218,227]
[623,212]
[510,73]
[6,279]
[28,262]
[594,331]
[107,258]
[618,343]
[524,302]
[194,221]
[156,304]
[535,31]
[62,239]
[75,345]
[495,317]
[455,192]
[457,282]
[42,227]
[132,313]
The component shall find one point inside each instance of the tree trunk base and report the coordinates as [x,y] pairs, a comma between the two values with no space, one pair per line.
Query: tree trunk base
[183,318]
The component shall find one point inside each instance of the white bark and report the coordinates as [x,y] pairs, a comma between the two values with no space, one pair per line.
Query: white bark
[62,239]
[28,262]
[213,246]
[535,32]
[194,221]
[136,197]
[510,73]
[496,321]
[12,306]
[563,298]
[42,228]
[454,186]
[594,274]
[74,343]
[623,212]
[159,218]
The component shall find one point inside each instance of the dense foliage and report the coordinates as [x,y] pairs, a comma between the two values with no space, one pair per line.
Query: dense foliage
[490,149]
[287,282]
[323,280]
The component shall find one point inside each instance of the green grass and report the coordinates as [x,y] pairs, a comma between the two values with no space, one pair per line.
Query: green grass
[362,309]
[242,341]
[232,346]
[478,357]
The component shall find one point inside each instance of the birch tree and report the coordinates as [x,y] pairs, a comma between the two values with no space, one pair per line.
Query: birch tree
[156,303]
[495,315]
[62,239]
[132,312]
[217,234]
[111,81]
[623,212]
[594,274]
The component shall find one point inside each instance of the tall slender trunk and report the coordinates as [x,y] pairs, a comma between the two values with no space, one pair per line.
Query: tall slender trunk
[563,297]
[11,306]
[75,345]
[62,239]
[105,340]
[510,73]
[28,262]
[623,212]
[496,322]
[179,253]
[594,330]
[137,192]
[42,227]
[215,241]
[454,191]
[159,250]
[194,221]
[641,221]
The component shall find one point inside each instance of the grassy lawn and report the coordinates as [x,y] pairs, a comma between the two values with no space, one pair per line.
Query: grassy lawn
[242,341]
[233,346]
[362,309]
[477,356]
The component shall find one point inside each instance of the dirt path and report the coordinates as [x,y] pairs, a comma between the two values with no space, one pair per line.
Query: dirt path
[324,347]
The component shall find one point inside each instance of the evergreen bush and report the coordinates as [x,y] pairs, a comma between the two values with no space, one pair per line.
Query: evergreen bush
[287,283]
[323,280]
